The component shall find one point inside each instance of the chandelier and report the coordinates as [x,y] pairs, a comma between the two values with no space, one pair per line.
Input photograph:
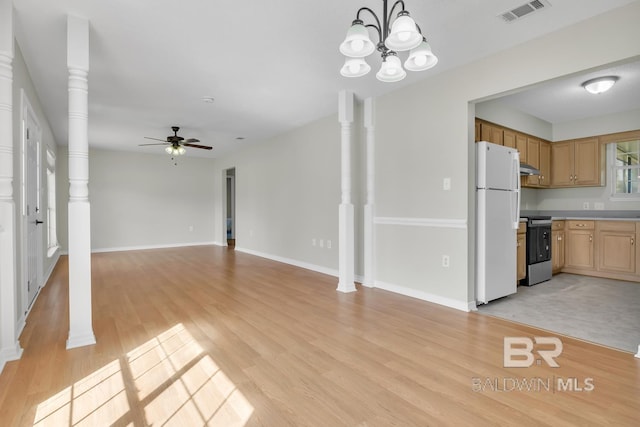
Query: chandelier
[404,34]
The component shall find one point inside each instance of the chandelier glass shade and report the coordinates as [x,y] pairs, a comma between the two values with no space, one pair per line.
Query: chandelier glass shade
[399,35]
[175,150]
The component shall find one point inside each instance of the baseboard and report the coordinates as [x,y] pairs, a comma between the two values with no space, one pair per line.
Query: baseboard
[301,264]
[9,355]
[146,247]
[425,296]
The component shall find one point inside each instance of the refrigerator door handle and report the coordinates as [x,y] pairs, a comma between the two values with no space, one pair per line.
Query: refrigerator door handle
[515,173]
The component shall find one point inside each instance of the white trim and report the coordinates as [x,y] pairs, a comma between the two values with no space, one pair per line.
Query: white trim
[9,354]
[145,247]
[296,263]
[638,353]
[425,296]
[422,222]
[80,341]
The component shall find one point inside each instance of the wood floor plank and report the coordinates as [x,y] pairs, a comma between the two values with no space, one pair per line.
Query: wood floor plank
[208,336]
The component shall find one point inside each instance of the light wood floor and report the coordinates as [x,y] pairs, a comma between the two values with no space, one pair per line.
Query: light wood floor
[209,336]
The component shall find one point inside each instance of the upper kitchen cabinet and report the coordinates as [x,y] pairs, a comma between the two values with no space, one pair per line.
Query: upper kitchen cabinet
[491,133]
[538,156]
[576,163]
[486,131]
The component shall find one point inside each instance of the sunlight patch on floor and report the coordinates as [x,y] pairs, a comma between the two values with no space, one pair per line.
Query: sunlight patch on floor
[170,379]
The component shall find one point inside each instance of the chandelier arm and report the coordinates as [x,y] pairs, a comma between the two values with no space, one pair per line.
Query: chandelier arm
[390,15]
[362,9]
[378,30]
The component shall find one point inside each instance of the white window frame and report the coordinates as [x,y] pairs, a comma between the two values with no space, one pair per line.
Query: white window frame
[612,169]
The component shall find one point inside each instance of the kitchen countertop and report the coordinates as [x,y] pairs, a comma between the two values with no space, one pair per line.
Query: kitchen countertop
[583,218]
[585,215]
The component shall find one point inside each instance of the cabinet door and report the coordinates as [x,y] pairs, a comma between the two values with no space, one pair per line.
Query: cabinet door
[509,138]
[521,145]
[562,164]
[586,162]
[616,252]
[533,158]
[545,164]
[579,249]
[491,133]
[557,250]
[521,256]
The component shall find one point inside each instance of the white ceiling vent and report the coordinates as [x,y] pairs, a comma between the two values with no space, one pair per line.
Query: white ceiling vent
[524,10]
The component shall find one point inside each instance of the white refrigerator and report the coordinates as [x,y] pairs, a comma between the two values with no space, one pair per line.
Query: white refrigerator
[497,218]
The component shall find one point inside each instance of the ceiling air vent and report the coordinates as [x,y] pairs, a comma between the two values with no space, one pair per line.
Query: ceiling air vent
[524,10]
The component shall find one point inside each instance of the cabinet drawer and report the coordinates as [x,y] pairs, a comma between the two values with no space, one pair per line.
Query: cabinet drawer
[617,226]
[581,225]
[557,225]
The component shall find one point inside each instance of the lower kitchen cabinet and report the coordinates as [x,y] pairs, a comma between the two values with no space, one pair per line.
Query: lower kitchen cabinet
[599,248]
[521,257]
[616,246]
[557,246]
[580,245]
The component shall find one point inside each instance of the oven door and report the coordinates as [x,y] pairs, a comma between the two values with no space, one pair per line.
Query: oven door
[538,241]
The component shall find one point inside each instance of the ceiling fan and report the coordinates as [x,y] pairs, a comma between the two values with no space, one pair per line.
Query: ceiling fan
[175,144]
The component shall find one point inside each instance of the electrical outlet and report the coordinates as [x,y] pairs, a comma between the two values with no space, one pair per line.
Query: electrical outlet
[191,228]
[446,184]
[328,244]
[598,206]
[445,261]
[313,242]
[585,205]
[322,243]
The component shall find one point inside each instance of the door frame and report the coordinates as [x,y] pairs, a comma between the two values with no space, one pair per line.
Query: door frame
[27,112]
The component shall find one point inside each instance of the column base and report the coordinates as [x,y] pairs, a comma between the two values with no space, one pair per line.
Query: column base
[346,250]
[80,341]
[9,354]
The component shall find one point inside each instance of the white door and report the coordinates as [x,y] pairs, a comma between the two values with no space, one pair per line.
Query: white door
[32,205]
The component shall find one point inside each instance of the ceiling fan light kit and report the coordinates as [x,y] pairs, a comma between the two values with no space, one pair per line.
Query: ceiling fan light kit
[600,85]
[403,34]
[175,145]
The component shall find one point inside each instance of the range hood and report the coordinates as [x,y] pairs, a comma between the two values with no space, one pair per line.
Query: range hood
[526,169]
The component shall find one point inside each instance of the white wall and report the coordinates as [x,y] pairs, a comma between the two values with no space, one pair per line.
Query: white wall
[287,193]
[142,200]
[493,111]
[611,123]
[22,81]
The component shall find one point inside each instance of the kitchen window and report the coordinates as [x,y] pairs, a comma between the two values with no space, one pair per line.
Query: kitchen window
[625,170]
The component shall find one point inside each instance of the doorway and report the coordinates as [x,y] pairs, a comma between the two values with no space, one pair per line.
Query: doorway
[31,207]
[231,207]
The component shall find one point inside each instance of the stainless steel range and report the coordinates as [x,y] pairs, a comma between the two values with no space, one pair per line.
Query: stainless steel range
[538,250]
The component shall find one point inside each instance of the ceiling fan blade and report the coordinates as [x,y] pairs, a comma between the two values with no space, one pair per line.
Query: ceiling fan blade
[156,139]
[204,147]
[192,140]
[154,143]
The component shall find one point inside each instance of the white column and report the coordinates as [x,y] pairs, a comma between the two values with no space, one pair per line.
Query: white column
[369,207]
[80,325]
[9,345]
[346,227]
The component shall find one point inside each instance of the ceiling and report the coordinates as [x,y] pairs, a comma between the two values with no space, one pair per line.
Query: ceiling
[270,66]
